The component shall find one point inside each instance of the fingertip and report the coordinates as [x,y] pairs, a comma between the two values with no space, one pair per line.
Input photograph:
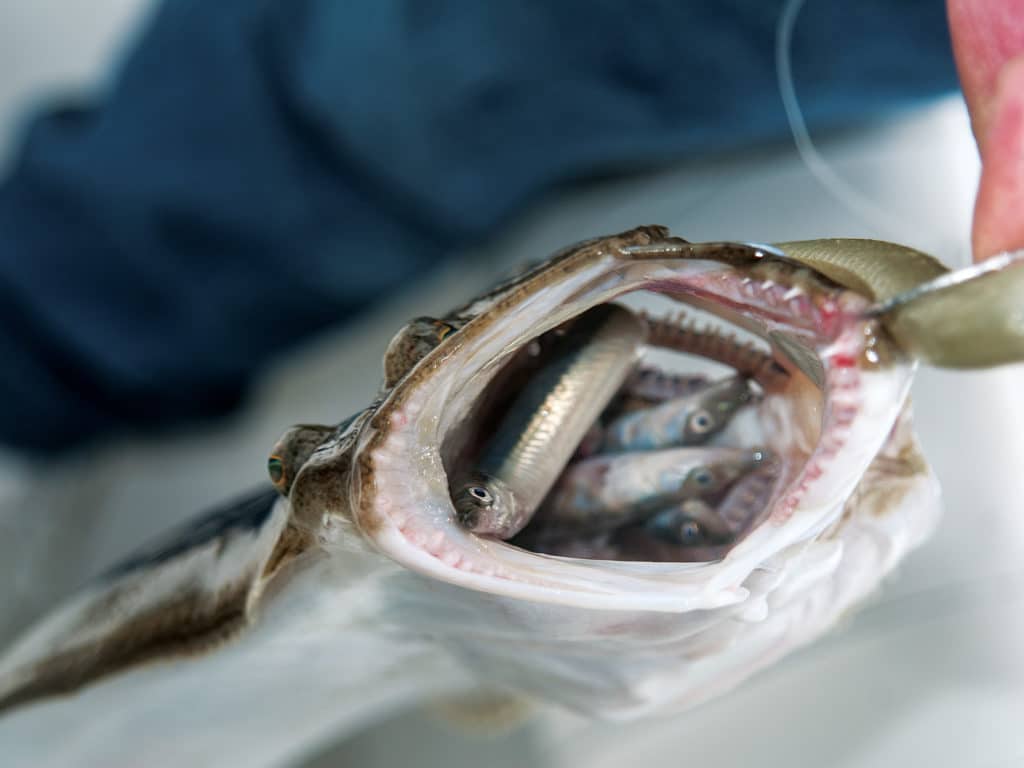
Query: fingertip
[986,34]
[999,208]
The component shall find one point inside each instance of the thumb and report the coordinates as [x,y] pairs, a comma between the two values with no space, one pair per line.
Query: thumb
[988,43]
[999,208]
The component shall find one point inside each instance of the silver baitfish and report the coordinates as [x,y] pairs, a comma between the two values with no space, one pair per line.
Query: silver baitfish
[689,420]
[547,420]
[695,523]
[691,523]
[609,491]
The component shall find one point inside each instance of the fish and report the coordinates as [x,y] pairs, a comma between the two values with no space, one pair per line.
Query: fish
[547,421]
[695,530]
[690,523]
[652,385]
[688,420]
[348,587]
[608,491]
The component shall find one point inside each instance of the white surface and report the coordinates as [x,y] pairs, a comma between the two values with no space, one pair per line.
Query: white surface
[930,674]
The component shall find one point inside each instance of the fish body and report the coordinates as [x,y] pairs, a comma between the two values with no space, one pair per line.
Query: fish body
[655,386]
[606,492]
[289,621]
[691,523]
[688,420]
[547,420]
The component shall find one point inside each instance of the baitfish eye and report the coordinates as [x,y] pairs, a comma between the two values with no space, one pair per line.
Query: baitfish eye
[701,421]
[702,477]
[275,468]
[481,494]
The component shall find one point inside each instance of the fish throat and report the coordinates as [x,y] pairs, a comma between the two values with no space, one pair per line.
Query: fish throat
[818,379]
[674,455]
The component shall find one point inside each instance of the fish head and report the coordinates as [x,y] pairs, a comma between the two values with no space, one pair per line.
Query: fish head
[365,533]
[622,636]
[481,497]
[715,407]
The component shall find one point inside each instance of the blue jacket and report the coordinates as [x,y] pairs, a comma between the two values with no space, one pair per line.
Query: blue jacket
[264,168]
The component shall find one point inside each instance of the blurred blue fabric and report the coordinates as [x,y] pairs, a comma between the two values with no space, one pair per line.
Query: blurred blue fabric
[262,169]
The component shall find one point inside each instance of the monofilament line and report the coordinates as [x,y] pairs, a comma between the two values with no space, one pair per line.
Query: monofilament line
[869,213]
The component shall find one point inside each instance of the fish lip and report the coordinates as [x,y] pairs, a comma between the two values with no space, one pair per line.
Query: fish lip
[421,532]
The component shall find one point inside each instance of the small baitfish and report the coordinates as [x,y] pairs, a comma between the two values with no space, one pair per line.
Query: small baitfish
[693,523]
[689,420]
[293,616]
[609,491]
[547,420]
[648,385]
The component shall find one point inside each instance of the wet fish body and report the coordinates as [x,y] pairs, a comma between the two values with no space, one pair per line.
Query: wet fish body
[547,420]
[689,420]
[656,386]
[358,592]
[692,523]
[609,491]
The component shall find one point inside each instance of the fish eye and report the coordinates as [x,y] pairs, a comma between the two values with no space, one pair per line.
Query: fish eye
[443,329]
[481,494]
[701,421]
[702,476]
[275,468]
[689,531]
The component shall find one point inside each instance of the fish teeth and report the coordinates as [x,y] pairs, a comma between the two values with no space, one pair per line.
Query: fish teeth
[793,293]
[450,557]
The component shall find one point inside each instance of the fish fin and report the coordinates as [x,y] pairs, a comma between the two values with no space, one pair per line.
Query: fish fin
[195,589]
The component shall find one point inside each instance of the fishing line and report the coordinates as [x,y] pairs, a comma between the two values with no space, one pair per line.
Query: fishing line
[869,213]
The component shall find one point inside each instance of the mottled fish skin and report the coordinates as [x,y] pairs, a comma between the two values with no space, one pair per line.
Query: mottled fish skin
[683,421]
[238,516]
[128,617]
[349,573]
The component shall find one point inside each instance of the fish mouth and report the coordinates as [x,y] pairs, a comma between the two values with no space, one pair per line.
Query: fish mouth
[840,389]
[742,462]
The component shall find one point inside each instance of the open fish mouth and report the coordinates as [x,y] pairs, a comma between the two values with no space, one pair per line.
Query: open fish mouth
[798,506]
[832,387]
[678,466]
